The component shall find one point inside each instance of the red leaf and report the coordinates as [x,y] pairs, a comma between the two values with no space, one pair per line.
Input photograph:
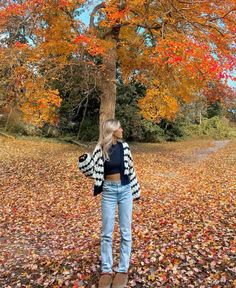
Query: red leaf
[76,284]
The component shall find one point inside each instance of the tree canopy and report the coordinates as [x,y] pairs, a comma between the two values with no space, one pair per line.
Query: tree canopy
[178,49]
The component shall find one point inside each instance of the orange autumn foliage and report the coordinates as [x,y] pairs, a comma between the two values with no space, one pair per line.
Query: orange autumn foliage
[177,49]
[36,58]
[184,45]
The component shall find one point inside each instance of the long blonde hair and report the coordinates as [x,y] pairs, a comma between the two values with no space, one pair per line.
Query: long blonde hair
[105,139]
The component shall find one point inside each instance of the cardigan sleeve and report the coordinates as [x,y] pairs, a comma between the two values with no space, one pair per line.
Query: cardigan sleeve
[86,165]
[135,187]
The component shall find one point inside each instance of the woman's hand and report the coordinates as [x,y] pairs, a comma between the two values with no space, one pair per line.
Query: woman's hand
[82,157]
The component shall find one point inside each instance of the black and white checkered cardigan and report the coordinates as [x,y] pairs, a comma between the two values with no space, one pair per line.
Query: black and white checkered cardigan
[93,167]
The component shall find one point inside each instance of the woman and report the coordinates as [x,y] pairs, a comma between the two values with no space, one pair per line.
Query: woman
[111,166]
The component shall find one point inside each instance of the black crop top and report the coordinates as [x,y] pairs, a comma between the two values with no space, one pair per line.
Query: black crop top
[114,165]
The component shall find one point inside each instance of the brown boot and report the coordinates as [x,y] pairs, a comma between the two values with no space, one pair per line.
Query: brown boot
[105,280]
[120,280]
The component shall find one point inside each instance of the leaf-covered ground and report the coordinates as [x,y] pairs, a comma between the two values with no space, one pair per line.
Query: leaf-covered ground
[183,227]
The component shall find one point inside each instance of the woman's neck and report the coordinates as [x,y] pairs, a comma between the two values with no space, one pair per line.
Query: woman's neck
[114,141]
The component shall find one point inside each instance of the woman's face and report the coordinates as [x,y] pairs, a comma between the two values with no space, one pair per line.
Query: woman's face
[118,133]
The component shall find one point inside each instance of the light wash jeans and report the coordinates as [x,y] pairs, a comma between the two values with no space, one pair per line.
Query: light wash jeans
[114,193]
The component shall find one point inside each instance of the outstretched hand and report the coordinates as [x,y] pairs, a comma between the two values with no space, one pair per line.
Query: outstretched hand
[82,157]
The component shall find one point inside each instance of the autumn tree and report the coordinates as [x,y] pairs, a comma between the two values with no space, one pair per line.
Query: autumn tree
[37,45]
[173,47]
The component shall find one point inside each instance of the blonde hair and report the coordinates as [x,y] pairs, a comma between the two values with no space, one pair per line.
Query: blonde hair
[105,139]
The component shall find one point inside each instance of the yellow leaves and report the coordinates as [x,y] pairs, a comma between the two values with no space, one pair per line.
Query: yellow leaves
[113,15]
[158,103]
[28,65]
[93,45]
[152,43]
[128,37]
[39,104]
[151,277]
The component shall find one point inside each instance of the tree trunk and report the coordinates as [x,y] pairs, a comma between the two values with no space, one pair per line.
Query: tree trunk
[8,119]
[108,87]
[108,77]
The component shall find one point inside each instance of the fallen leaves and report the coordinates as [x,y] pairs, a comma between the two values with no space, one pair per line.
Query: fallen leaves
[183,227]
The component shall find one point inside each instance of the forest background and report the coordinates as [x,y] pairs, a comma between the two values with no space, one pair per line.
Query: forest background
[52,69]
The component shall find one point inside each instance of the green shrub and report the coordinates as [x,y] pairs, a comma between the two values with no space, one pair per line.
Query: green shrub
[50,131]
[89,130]
[152,132]
[215,127]
[24,129]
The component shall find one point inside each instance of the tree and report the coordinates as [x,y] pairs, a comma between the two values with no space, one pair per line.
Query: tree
[173,47]
[37,43]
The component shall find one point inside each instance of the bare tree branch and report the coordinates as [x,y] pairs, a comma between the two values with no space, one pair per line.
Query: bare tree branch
[221,17]
[95,9]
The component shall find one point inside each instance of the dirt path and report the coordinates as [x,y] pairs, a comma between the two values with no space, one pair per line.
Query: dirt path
[202,153]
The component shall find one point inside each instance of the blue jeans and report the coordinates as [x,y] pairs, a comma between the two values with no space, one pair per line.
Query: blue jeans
[114,193]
